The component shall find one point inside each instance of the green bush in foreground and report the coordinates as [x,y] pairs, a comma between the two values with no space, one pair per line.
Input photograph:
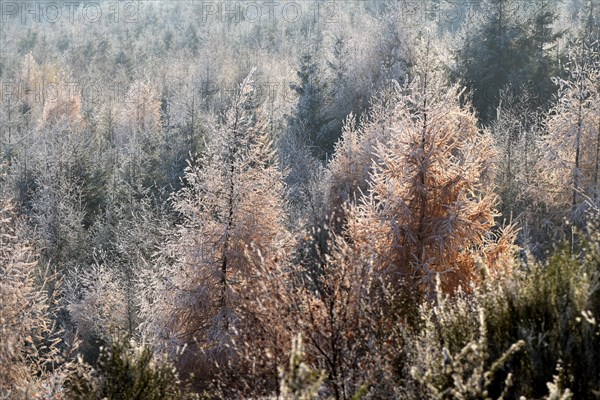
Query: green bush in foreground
[126,371]
[299,381]
[534,334]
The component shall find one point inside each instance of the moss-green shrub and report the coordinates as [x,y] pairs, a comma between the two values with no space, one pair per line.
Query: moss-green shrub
[548,311]
[126,371]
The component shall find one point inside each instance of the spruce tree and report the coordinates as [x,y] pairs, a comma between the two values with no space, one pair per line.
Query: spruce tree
[309,119]
[508,44]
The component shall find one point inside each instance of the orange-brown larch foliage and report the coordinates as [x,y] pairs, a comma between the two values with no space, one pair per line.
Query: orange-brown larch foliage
[26,328]
[430,208]
[212,291]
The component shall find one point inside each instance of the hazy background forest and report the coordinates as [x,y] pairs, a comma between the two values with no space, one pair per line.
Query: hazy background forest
[299,199]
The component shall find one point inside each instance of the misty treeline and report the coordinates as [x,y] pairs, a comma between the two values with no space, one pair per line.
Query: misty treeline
[346,200]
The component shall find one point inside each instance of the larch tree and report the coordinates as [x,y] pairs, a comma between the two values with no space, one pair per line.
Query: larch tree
[62,105]
[232,225]
[352,163]
[142,108]
[140,121]
[430,209]
[27,331]
[571,166]
[517,131]
[96,303]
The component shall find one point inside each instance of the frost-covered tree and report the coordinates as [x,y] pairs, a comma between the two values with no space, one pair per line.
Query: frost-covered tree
[13,126]
[58,211]
[507,42]
[351,166]
[27,349]
[103,295]
[430,207]
[343,310]
[232,217]
[571,164]
[584,15]
[304,180]
[516,132]
[96,302]
[310,118]
[141,111]
[64,107]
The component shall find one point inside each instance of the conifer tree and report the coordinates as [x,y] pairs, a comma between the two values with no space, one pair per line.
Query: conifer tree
[588,12]
[542,51]
[352,162]
[508,43]
[516,132]
[232,218]
[309,119]
[141,113]
[430,208]
[26,326]
[571,165]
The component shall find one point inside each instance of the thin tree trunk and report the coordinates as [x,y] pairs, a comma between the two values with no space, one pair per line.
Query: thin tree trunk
[577,162]
[230,216]
[597,166]
[423,175]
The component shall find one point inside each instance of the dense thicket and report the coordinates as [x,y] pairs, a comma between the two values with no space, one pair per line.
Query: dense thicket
[360,199]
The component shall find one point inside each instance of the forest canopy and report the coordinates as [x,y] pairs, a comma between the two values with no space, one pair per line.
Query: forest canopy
[362,199]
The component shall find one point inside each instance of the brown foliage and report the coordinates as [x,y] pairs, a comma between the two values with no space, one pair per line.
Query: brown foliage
[26,329]
[213,291]
[430,208]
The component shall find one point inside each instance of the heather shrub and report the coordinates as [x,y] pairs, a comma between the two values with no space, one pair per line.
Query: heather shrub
[299,381]
[126,371]
[551,308]
[456,362]
[534,334]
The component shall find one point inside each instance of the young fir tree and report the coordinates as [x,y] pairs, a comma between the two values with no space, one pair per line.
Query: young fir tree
[430,208]
[310,118]
[503,46]
[232,224]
